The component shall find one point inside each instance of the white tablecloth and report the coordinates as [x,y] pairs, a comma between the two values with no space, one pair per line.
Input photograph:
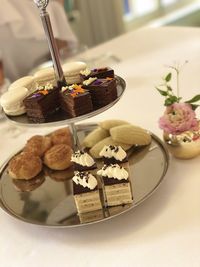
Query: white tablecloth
[165,229]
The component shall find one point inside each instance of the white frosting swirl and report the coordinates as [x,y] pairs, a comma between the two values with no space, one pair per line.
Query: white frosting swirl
[85,72]
[48,86]
[113,171]
[85,179]
[89,81]
[82,158]
[113,152]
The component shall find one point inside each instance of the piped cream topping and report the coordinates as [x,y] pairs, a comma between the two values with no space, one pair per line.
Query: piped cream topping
[85,179]
[82,158]
[85,72]
[89,81]
[113,171]
[113,152]
[48,86]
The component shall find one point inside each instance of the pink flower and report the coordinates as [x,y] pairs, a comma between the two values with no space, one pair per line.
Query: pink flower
[178,118]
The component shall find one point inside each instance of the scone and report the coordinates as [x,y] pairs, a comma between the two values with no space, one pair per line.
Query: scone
[24,166]
[38,145]
[58,157]
[62,136]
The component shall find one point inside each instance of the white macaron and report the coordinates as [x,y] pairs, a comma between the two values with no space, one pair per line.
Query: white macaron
[44,76]
[27,82]
[72,71]
[12,101]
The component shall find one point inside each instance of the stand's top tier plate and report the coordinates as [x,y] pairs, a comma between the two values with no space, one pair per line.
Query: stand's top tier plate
[60,118]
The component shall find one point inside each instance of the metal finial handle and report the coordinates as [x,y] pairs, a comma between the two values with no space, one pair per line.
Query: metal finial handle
[42,4]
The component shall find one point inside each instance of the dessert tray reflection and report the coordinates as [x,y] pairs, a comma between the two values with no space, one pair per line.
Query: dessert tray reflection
[53,197]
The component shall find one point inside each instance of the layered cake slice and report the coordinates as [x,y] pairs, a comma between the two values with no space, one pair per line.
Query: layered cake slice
[103,91]
[83,161]
[113,155]
[42,103]
[98,73]
[117,187]
[86,192]
[75,101]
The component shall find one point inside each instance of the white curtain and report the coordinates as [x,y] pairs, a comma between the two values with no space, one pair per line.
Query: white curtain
[100,20]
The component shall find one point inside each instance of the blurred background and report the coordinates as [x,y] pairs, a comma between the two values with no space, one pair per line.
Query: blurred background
[96,21]
[78,26]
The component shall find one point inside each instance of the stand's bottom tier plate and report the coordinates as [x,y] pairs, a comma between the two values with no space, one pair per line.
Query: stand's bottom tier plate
[52,204]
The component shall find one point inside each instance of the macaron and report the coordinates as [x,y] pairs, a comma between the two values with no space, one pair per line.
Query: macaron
[72,71]
[12,101]
[27,82]
[44,76]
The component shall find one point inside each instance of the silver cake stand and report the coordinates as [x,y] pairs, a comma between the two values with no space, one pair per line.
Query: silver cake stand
[52,203]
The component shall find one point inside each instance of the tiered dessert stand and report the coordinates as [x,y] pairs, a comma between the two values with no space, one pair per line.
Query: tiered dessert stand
[52,204]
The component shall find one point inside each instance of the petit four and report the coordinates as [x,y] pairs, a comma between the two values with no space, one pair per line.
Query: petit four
[99,73]
[116,185]
[41,104]
[95,150]
[86,192]
[12,101]
[103,91]
[83,161]
[75,101]
[113,155]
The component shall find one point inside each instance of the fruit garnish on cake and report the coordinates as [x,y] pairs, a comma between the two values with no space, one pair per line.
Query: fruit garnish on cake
[179,121]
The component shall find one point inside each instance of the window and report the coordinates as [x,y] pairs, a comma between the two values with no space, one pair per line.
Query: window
[139,12]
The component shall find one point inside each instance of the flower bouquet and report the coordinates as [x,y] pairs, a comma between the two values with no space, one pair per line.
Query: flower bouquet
[179,123]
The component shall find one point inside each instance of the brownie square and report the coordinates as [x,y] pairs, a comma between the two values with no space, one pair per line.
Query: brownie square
[99,73]
[103,91]
[42,103]
[75,101]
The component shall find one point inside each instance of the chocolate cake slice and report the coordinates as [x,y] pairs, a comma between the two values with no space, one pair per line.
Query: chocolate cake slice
[75,101]
[86,192]
[113,155]
[103,91]
[82,161]
[42,103]
[116,185]
[99,73]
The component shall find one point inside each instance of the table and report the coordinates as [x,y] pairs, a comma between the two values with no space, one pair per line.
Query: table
[165,229]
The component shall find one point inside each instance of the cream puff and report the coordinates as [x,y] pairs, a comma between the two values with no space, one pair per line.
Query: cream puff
[58,157]
[62,136]
[38,145]
[24,166]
